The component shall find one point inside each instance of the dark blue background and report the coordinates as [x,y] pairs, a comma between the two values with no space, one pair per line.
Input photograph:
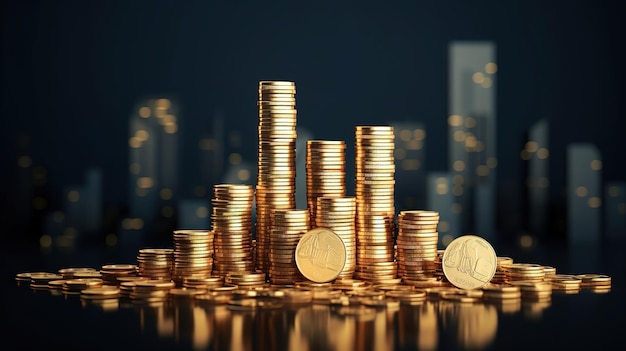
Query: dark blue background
[73,70]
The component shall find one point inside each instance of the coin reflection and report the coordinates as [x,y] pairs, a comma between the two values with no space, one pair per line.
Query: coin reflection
[474,325]
[421,318]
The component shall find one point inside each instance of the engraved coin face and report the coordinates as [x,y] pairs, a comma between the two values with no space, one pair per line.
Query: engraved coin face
[469,262]
[320,255]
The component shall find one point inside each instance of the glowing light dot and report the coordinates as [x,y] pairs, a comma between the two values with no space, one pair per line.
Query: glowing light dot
[492,162]
[478,77]
[419,134]
[145,182]
[202,212]
[613,191]
[234,158]
[596,165]
[526,241]
[73,196]
[491,68]
[243,175]
[446,239]
[410,164]
[405,135]
[543,153]
[399,154]
[455,120]
[134,142]
[45,241]
[581,191]
[458,165]
[166,193]
[486,83]
[470,122]
[110,239]
[142,135]
[594,202]
[531,146]
[144,112]
[443,226]
[24,161]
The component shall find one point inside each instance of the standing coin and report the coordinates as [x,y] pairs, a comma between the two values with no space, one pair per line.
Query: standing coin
[320,255]
[469,262]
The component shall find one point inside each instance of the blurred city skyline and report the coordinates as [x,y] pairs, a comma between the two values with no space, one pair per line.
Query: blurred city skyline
[74,72]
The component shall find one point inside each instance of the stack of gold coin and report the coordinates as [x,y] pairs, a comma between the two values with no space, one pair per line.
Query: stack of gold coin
[203,282]
[40,280]
[100,293]
[245,280]
[151,290]
[276,173]
[155,263]
[288,226]
[69,273]
[232,226]
[499,277]
[594,281]
[524,271]
[325,171]
[417,243]
[567,283]
[338,214]
[112,273]
[75,286]
[193,254]
[374,190]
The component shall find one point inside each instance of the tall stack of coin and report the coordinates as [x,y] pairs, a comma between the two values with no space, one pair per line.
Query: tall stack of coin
[231,219]
[288,226]
[325,171]
[338,214]
[375,211]
[417,243]
[193,254]
[156,263]
[276,173]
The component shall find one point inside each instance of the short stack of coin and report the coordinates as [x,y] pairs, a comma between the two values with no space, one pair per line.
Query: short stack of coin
[71,272]
[523,271]
[499,277]
[567,283]
[193,254]
[288,226]
[40,280]
[416,243]
[325,171]
[374,190]
[151,290]
[232,227]
[338,214]
[155,263]
[75,286]
[596,282]
[113,273]
[275,188]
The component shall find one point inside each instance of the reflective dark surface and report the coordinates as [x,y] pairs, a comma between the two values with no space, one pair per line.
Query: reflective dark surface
[43,319]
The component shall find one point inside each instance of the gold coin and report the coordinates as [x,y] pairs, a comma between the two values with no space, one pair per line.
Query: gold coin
[469,262]
[320,255]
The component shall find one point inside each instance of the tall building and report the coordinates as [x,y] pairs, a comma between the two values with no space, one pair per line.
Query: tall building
[441,199]
[584,194]
[409,155]
[536,153]
[615,212]
[472,133]
[153,160]
[211,158]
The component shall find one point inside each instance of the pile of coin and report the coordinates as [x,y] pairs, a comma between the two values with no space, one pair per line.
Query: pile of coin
[288,226]
[325,171]
[416,243]
[193,254]
[338,214]
[112,274]
[156,263]
[375,208]
[232,227]
[276,173]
